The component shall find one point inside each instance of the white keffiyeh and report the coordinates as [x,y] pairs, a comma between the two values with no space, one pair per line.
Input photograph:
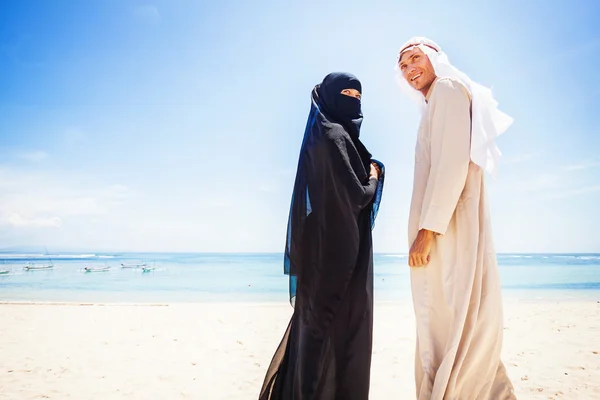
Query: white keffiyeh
[487,121]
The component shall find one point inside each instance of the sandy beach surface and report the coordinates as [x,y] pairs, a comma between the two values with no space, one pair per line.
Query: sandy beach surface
[221,351]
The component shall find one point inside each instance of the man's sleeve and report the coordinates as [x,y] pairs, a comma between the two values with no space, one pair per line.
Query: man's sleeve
[450,143]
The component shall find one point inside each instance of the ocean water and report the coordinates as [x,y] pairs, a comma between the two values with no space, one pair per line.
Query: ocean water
[182,277]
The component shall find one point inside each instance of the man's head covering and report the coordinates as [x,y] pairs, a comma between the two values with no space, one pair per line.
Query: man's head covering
[487,121]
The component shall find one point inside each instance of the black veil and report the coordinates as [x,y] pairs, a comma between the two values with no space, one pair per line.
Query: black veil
[319,125]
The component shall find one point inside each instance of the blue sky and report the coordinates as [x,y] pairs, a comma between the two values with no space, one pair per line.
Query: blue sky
[176,125]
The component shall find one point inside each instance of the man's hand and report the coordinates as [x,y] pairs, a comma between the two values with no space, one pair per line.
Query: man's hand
[419,251]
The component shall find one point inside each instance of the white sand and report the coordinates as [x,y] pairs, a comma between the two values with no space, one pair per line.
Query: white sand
[216,351]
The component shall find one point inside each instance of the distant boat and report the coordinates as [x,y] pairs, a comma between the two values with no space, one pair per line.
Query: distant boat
[133,265]
[148,268]
[96,269]
[33,267]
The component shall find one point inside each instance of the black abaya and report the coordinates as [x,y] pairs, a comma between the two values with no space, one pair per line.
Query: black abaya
[326,350]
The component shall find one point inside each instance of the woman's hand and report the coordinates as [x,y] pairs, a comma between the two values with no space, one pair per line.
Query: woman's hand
[375,171]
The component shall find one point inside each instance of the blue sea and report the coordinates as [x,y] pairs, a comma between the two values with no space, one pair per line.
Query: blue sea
[184,277]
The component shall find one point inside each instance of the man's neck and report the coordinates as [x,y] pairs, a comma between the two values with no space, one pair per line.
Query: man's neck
[426,92]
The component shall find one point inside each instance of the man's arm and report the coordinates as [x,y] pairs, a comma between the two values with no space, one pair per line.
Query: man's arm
[450,155]
[450,143]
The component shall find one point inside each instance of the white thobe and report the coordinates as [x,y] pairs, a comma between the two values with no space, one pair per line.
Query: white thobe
[457,298]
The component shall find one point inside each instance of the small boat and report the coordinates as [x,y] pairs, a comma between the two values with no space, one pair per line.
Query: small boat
[33,267]
[96,269]
[133,265]
[148,268]
[4,271]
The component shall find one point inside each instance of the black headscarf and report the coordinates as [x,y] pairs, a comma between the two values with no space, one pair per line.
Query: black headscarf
[331,151]
[343,109]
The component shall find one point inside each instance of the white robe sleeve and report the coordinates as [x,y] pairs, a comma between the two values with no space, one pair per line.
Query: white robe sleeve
[450,142]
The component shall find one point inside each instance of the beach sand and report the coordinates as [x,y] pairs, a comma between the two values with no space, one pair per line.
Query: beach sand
[221,351]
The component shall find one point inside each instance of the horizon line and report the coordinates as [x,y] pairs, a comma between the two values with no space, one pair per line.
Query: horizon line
[115,252]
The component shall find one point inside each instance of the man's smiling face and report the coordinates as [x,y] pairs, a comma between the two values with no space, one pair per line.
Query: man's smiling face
[417,69]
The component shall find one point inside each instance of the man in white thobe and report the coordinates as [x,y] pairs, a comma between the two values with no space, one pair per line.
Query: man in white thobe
[454,272]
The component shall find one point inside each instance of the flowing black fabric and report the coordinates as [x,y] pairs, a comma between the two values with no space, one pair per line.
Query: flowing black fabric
[326,350]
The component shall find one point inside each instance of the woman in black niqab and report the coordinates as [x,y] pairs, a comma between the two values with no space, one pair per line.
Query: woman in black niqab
[326,350]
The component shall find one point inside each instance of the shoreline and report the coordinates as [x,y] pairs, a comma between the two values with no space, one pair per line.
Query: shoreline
[506,298]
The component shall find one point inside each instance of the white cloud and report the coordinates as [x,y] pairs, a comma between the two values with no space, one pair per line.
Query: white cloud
[19,221]
[537,183]
[220,203]
[554,184]
[518,159]
[147,13]
[38,200]
[582,165]
[576,192]
[34,156]
[117,194]
[269,188]
[286,173]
